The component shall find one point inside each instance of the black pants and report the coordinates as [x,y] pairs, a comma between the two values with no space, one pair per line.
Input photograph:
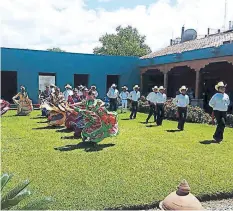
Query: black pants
[113,104]
[182,117]
[160,114]
[134,109]
[152,111]
[221,123]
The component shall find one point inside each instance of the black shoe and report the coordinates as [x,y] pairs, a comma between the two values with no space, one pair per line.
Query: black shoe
[146,122]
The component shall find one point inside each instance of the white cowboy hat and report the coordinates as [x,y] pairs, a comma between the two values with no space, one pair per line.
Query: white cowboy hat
[124,87]
[183,88]
[136,86]
[220,84]
[114,85]
[155,87]
[52,85]
[68,86]
[161,87]
[93,86]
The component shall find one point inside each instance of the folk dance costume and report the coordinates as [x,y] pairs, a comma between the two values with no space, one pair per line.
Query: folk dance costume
[124,95]
[113,95]
[5,106]
[45,97]
[134,96]
[151,98]
[182,101]
[220,102]
[160,100]
[24,104]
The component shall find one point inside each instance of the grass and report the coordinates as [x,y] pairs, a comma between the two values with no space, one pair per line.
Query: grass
[140,166]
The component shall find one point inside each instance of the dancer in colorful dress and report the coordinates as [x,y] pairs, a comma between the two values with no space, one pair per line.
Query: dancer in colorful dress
[134,96]
[182,101]
[151,98]
[45,97]
[5,106]
[160,100]
[24,104]
[220,102]
[124,95]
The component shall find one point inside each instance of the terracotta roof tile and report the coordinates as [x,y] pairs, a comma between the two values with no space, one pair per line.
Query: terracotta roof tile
[210,41]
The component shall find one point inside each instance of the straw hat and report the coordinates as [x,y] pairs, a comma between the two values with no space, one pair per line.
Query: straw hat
[183,88]
[220,84]
[161,88]
[124,87]
[114,85]
[136,87]
[68,86]
[155,87]
[81,87]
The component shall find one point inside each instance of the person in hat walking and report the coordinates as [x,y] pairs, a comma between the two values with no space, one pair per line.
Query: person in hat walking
[68,92]
[134,96]
[113,95]
[94,91]
[182,101]
[151,98]
[220,102]
[160,100]
[124,95]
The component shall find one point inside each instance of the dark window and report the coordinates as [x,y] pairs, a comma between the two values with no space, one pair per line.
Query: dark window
[81,79]
[8,85]
[112,79]
[45,79]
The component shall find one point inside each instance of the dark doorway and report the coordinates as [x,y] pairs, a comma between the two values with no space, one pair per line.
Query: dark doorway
[81,79]
[178,77]
[112,79]
[150,79]
[210,76]
[8,85]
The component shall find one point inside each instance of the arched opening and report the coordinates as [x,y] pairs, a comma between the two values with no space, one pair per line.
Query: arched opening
[210,75]
[150,79]
[179,76]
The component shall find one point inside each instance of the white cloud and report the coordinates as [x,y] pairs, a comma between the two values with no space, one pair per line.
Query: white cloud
[70,25]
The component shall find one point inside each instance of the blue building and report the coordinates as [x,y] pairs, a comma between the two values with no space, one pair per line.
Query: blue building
[23,67]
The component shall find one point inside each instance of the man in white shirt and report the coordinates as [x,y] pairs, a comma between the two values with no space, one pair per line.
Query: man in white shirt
[68,92]
[151,98]
[94,91]
[113,94]
[220,102]
[52,88]
[134,96]
[160,100]
[124,95]
[182,101]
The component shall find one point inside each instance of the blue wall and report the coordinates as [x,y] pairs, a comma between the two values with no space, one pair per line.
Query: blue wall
[223,50]
[28,64]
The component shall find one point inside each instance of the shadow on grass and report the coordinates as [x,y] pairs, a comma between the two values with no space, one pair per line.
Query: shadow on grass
[43,122]
[173,131]
[38,117]
[64,130]
[206,142]
[152,125]
[126,119]
[47,128]
[87,146]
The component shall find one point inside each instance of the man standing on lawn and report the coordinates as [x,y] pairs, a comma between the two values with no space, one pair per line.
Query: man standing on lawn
[220,102]
[182,101]
[113,95]
[151,98]
[134,96]
[160,100]
[124,95]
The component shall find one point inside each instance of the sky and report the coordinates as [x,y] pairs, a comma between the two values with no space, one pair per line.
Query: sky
[76,25]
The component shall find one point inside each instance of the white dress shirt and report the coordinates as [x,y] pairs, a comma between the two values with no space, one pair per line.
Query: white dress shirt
[134,96]
[161,98]
[152,97]
[95,93]
[124,95]
[67,93]
[220,102]
[181,100]
[113,93]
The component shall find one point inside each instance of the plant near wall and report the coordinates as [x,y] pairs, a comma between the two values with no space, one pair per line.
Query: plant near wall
[17,194]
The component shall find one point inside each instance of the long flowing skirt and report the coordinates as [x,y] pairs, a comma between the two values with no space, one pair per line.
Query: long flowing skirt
[5,106]
[24,107]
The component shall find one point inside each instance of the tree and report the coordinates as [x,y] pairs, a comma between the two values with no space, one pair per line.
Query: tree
[55,49]
[127,42]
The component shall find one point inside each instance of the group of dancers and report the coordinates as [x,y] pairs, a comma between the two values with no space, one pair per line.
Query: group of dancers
[80,110]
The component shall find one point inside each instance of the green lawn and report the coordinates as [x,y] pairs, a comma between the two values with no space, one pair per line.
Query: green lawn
[140,166]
